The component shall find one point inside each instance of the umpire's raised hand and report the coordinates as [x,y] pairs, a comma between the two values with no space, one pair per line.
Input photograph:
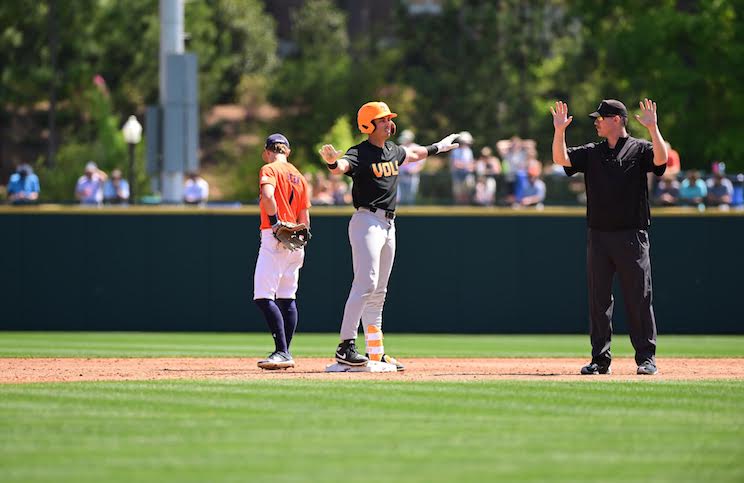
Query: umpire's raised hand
[648,114]
[561,119]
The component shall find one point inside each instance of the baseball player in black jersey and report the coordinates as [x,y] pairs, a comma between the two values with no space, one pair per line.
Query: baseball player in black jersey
[615,172]
[373,166]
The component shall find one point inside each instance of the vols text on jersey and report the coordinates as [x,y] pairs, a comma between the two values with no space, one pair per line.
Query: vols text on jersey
[387,168]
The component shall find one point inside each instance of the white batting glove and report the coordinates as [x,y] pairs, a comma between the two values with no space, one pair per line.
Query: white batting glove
[446,144]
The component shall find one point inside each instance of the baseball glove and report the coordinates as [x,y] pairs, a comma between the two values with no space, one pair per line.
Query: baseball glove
[292,235]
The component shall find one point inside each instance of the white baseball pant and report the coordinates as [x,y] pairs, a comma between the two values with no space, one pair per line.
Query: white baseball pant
[372,238]
[277,269]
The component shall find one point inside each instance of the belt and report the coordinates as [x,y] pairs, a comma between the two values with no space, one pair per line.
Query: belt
[390,215]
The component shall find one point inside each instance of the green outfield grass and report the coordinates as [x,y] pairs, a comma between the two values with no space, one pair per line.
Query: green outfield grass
[136,344]
[647,430]
[281,430]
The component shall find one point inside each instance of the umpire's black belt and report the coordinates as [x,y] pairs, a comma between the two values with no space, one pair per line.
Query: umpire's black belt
[390,215]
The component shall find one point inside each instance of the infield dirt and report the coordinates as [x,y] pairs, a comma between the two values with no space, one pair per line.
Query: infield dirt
[30,370]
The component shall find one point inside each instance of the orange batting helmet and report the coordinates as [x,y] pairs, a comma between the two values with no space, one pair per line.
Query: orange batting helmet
[371,111]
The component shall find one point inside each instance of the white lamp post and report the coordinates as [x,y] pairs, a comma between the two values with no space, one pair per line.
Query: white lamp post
[132,131]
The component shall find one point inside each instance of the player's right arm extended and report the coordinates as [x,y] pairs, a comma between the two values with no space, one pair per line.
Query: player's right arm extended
[304,217]
[336,164]
[268,202]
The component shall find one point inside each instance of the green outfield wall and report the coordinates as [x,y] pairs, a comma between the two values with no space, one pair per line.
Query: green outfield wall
[456,270]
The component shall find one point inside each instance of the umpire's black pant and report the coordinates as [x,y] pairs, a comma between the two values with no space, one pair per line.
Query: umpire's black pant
[627,254]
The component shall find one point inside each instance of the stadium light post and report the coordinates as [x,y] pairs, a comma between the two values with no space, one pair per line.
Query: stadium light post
[132,131]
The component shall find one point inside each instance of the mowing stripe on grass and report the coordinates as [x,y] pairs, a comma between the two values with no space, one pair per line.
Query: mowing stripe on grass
[135,344]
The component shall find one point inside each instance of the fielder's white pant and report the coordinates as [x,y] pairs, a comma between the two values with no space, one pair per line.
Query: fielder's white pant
[277,269]
[372,238]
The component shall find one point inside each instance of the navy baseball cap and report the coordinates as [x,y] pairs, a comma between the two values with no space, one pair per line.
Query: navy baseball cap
[610,107]
[276,138]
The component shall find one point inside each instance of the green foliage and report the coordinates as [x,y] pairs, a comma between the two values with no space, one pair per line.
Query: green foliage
[316,80]
[103,144]
[492,68]
[232,38]
[484,67]
[687,56]
[240,170]
[342,135]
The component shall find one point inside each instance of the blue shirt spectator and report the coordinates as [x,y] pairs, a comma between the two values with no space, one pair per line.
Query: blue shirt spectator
[533,191]
[89,187]
[116,189]
[720,190]
[693,189]
[23,186]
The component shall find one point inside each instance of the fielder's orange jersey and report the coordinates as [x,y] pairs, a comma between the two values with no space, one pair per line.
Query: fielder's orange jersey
[290,191]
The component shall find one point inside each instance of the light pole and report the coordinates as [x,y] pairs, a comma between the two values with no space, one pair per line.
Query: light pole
[132,131]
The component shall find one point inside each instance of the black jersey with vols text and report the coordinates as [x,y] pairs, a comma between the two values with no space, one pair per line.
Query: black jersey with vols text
[616,182]
[375,174]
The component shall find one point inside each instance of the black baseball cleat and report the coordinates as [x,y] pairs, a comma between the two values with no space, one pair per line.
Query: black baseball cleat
[391,360]
[648,368]
[277,360]
[346,353]
[594,368]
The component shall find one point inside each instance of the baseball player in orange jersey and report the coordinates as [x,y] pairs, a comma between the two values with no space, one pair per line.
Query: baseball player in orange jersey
[284,197]
[373,165]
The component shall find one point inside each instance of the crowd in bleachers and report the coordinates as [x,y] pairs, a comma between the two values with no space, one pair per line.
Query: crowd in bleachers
[507,174]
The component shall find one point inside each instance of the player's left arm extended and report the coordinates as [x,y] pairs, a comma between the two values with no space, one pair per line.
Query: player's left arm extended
[417,153]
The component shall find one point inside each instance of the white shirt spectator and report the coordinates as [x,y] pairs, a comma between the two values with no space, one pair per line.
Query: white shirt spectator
[196,190]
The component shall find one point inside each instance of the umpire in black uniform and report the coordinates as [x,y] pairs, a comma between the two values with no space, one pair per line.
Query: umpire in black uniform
[618,216]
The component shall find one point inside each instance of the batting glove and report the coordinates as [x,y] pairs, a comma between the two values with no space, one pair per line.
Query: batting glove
[446,144]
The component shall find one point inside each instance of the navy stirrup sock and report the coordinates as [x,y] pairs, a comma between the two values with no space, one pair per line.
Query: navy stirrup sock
[289,313]
[275,321]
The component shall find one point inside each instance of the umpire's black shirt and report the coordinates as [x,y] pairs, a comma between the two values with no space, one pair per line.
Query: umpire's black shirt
[375,174]
[616,184]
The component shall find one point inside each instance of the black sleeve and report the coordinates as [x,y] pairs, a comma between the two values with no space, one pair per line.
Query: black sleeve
[647,159]
[401,154]
[352,156]
[579,157]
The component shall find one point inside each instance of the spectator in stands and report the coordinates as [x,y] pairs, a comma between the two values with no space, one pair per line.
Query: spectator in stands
[23,185]
[487,164]
[693,190]
[487,168]
[514,155]
[484,193]
[738,196]
[408,173]
[673,162]
[667,190]
[322,190]
[340,191]
[116,189]
[89,187]
[462,168]
[533,193]
[720,191]
[195,189]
